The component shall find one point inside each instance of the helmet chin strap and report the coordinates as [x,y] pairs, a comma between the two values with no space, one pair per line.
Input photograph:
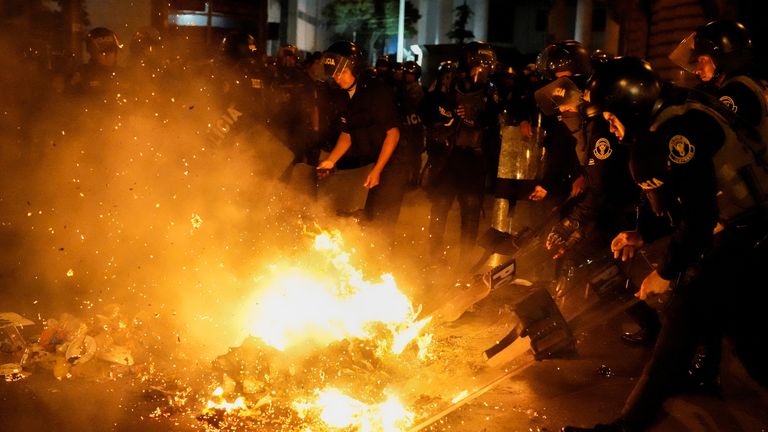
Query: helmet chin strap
[352,86]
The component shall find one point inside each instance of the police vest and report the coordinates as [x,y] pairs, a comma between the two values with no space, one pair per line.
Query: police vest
[759,146]
[742,178]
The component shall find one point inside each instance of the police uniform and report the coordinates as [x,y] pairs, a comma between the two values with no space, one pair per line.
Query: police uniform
[409,97]
[677,166]
[370,113]
[610,195]
[461,164]
[290,116]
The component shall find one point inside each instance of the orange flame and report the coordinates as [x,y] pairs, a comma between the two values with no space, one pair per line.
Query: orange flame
[331,302]
[341,411]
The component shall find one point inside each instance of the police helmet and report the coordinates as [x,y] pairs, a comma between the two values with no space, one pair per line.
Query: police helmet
[727,42]
[101,40]
[397,70]
[599,57]
[413,68]
[566,56]
[288,50]
[343,54]
[447,66]
[145,40]
[384,62]
[628,88]
[477,54]
[239,45]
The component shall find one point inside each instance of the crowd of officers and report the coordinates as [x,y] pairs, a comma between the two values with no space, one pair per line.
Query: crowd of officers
[630,159]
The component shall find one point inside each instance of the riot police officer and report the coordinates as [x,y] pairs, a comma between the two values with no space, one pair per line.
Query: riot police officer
[685,155]
[565,148]
[145,46]
[410,94]
[101,73]
[291,103]
[467,119]
[147,68]
[720,54]
[242,76]
[370,133]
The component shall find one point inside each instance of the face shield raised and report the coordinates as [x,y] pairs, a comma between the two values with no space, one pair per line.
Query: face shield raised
[558,96]
[685,55]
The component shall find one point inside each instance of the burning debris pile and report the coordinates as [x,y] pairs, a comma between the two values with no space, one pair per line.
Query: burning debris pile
[328,350]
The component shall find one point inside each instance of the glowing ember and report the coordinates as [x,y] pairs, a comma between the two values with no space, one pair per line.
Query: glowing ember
[341,411]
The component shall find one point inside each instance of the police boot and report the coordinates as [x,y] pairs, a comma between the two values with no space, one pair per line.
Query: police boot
[704,374]
[647,318]
[642,336]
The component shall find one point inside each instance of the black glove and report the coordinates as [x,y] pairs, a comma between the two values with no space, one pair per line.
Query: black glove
[563,236]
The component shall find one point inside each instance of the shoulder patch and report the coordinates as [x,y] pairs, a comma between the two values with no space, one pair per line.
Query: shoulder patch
[728,102]
[680,149]
[602,149]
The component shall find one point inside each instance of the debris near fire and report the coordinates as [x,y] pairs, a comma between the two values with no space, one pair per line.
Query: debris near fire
[13,346]
[100,348]
[464,295]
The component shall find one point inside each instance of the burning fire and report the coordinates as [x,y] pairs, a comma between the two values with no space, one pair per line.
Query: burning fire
[220,403]
[331,302]
[341,411]
[315,306]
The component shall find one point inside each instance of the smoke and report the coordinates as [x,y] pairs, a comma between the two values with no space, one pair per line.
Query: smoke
[157,200]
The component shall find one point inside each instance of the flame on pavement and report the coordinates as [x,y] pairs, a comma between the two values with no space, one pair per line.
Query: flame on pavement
[326,299]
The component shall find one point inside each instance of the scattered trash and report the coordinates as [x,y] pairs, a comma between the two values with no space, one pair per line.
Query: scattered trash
[13,347]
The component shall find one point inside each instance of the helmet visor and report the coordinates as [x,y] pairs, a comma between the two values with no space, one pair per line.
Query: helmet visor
[685,55]
[560,93]
[334,64]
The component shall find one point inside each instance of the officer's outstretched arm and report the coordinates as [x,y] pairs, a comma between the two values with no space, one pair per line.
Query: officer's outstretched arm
[343,143]
[387,148]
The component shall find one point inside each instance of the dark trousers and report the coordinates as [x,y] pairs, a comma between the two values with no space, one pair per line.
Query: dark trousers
[462,179]
[717,293]
[383,203]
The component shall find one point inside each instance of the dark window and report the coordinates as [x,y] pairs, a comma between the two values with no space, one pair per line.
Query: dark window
[192,5]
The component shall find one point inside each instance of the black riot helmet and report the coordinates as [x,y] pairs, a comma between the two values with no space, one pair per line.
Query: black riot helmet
[628,88]
[341,55]
[288,55]
[101,40]
[477,61]
[384,63]
[239,45]
[145,42]
[599,57]
[566,56]
[413,68]
[447,66]
[727,42]
[288,50]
